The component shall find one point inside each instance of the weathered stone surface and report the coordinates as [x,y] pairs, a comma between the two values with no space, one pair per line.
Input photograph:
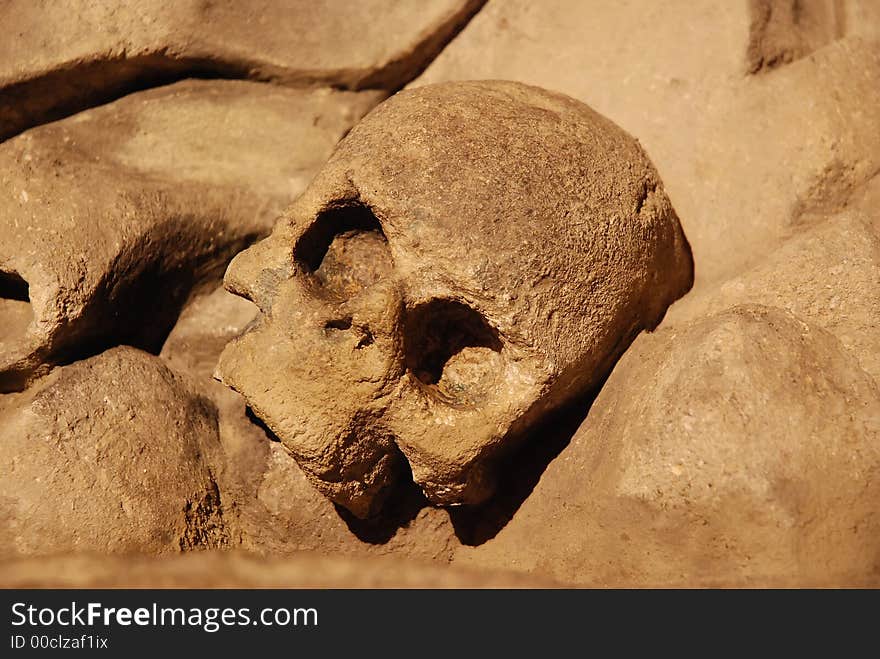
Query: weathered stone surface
[782,31]
[59,59]
[767,169]
[744,159]
[472,256]
[269,506]
[207,323]
[866,202]
[110,454]
[112,217]
[740,449]
[217,569]
[829,276]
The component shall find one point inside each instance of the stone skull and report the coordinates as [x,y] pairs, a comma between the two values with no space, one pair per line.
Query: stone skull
[473,256]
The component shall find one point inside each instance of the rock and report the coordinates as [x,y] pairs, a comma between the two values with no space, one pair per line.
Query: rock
[62,59]
[269,505]
[207,323]
[217,569]
[742,449]
[866,202]
[112,217]
[766,170]
[111,454]
[782,31]
[829,276]
[473,256]
[746,160]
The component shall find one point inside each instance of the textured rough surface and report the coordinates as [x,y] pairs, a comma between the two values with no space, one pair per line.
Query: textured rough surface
[59,58]
[744,159]
[112,217]
[829,276]
[110,454]
[785,30]
[782,31]
[269,506]
[741,449]
[516,242]
[242,570]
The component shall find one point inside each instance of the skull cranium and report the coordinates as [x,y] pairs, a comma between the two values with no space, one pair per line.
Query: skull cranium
[472,256]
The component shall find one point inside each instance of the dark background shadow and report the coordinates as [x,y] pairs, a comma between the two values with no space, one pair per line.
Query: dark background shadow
[400,508]
[519,473]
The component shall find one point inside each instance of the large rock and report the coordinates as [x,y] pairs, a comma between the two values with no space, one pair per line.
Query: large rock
[782,31]
[110,218]
[111,454]
[829,276]
[733,149]
[740,449]
[269,506]
[57,59]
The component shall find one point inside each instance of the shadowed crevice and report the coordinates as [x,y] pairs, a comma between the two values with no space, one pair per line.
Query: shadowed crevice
[399,509]
[73,87]
[519,473]
[65,91]
[137,302]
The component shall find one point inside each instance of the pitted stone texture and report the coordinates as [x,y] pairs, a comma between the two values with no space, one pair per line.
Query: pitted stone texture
[517,241]
[747,160]
[112,217]
[61,58]
[829,276]
[269,506]
[742,449]
[111,454]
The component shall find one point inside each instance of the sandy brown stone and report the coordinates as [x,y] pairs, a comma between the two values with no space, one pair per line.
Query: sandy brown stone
[61,58]
[829,276]
[112,217]
[740,449]
[782,31]
[744,159]
[216,569]
[110,454]
[516,241]
[866,202]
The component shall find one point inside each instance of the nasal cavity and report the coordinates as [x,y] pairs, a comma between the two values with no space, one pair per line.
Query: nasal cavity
[345,250]
[16,312]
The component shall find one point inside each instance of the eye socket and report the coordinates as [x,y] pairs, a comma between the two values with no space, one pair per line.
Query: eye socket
[13,287]
[344,250]
[16,312]
[438,330]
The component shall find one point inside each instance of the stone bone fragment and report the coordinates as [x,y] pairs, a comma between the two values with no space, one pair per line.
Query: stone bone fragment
[829,276]
[227,569]
[111,217]
[472,256]
[741,448]
[63,57]
[110,454]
